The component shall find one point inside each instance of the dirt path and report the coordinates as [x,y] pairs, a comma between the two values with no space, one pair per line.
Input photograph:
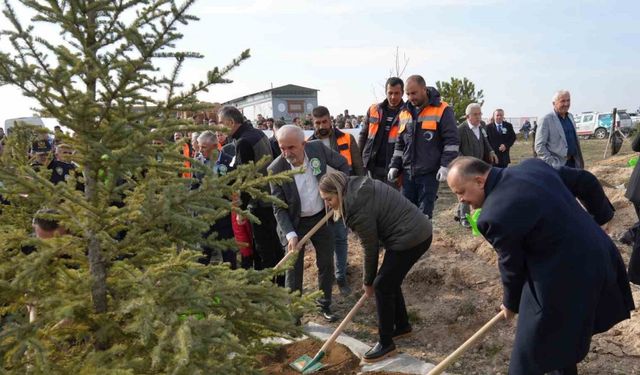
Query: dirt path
[455,289]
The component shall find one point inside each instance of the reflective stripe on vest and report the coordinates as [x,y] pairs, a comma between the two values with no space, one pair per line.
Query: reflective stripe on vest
[344,146]
[375,118]
[428,117]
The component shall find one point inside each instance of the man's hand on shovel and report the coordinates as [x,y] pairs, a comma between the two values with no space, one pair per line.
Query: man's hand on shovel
[508,314]
[368,290]
[293,243]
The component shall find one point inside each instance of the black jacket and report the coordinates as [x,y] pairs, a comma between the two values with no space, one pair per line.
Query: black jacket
[371,146]
[633,188]
[560,271]
[419,152]
[251,145]
[378,213]
[507,137]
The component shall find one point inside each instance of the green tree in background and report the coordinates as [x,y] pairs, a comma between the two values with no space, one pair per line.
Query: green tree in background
[459,93]
[122,292]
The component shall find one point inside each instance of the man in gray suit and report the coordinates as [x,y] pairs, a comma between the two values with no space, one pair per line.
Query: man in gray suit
[473,142]
[305,206]
[556,139]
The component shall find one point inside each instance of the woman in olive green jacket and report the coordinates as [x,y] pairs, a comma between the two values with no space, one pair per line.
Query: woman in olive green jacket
[378,214]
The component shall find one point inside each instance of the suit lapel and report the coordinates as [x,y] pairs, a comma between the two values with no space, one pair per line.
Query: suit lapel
[292,189]
[312,154]
[556,120]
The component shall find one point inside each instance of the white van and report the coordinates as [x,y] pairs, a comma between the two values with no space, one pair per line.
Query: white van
[598,124]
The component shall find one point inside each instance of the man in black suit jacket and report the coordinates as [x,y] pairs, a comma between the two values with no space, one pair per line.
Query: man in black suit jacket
[501,137]
[305,207]
[560,271]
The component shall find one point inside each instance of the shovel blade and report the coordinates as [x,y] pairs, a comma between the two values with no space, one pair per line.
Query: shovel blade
[303,364]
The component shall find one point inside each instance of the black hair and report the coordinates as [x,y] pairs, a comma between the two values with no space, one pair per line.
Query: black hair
[231,112]
[394,81]
[320,111]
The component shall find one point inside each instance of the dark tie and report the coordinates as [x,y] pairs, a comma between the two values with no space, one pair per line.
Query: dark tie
[500,129]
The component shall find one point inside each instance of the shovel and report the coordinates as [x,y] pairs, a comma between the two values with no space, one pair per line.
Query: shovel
[472,340]
[304,239]
[306,364]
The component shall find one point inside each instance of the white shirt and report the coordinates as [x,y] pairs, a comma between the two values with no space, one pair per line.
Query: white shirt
[475,130]
[308,190]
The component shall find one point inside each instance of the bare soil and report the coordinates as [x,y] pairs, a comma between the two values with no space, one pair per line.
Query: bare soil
[455,288]
[338,359]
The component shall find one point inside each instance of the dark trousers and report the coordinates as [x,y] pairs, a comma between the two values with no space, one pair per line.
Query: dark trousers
[265,238]
[571,162]
[324,243]
[422,191]
[571,370]
[340,235]
[392,311]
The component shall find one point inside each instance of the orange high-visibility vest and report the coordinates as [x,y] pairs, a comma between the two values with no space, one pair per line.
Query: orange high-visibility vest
[375,118]
[186,152]
[428,118]
[344,146]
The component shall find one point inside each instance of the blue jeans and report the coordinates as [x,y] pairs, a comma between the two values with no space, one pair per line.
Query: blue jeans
[340,234]
[422,191]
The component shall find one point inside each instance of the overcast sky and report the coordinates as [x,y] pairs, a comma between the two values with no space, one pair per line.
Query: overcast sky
[518,52]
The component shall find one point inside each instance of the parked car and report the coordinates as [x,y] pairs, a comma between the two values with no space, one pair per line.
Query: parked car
[626,122]
[598,124]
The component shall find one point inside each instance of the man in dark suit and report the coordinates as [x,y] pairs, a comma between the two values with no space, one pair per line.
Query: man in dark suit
[252,145]
[305,207]
[560,271]
[501,137]
[473,142]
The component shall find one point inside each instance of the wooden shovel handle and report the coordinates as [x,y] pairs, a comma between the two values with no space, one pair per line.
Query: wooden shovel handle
[304,239]
[472,340]
[344,323]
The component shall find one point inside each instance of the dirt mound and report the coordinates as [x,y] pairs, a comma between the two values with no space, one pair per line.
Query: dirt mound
[611,176]
[338,360]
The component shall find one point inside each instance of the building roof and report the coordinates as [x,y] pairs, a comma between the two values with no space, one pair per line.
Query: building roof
[280,90]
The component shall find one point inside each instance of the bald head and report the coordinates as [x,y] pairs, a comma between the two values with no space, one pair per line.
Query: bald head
[416,90]
[466,178]
[417,79]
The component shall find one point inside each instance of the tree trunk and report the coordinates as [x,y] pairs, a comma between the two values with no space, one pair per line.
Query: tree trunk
[97,264]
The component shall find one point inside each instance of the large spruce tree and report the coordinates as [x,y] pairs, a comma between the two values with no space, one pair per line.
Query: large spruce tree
[122,292]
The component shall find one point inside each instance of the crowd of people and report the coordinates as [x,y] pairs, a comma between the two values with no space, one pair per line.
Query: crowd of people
[566,282]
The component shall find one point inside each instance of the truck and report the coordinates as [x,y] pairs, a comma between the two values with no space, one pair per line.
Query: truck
[598,124]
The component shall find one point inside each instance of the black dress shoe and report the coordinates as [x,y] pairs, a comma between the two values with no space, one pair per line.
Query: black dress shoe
[379,352]
[328,315]
[402,332]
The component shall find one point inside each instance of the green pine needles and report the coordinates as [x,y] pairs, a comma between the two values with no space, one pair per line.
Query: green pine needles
[122,293]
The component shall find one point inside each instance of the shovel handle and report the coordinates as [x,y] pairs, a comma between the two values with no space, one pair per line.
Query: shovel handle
[304,239]
[472,340]
[344,323]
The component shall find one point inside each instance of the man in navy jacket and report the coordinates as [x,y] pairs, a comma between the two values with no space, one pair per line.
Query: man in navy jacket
[560,271]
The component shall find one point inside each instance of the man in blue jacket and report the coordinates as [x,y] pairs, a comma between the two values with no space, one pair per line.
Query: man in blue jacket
[427,142]
[560,271]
